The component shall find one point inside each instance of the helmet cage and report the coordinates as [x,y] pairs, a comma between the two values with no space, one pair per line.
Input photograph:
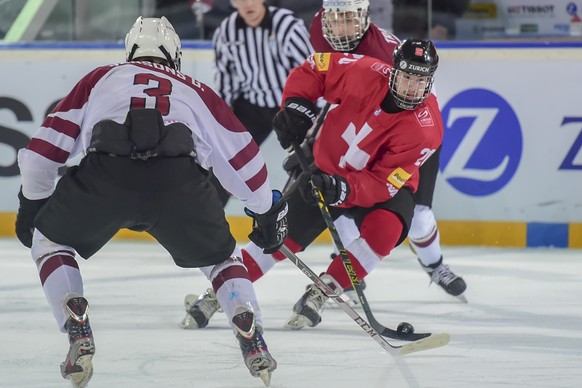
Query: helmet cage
[344,26]
[410,89]
[156,38]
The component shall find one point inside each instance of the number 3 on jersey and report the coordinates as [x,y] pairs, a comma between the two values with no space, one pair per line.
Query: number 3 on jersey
[160,91]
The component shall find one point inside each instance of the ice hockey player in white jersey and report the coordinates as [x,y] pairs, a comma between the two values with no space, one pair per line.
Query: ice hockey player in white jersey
[149,135]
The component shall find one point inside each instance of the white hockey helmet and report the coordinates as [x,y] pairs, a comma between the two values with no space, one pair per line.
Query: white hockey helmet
[344,22]
[153,37]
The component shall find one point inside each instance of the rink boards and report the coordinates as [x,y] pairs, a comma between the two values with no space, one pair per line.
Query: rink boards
[511,164]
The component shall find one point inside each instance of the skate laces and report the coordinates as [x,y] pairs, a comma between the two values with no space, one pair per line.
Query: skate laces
[208,303]
[315,297]
[79,330]
[254,345]
[256,354]
[78,323]
[443,275]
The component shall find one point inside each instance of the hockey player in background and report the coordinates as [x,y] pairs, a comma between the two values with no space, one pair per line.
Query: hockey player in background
[344,26]
[149,134]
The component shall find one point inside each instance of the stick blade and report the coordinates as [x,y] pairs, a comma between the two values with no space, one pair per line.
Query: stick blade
[434,341]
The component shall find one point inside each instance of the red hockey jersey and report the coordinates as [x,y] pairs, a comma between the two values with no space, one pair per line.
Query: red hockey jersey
[377,152]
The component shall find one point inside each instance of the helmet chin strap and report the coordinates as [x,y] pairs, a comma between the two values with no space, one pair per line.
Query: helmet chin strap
[132,52]
[169,57]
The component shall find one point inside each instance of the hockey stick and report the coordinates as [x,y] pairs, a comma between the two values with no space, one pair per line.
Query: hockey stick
[319,122]
[431,342]
[308,141]
[405,331]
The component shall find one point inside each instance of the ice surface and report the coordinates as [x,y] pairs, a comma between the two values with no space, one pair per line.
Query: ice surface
[521,327]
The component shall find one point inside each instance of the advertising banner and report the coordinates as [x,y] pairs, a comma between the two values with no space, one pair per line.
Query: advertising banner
[512,150]
[513,135]
[521,18]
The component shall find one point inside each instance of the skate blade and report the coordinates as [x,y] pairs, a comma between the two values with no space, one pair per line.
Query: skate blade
[265,375]
[189,300]
[462,298]
[189,323]
[297,322]
[80,379]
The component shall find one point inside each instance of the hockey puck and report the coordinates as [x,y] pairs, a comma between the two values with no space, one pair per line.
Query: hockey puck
[405,328]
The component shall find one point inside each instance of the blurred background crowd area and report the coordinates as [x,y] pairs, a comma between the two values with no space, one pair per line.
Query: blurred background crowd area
[108,20]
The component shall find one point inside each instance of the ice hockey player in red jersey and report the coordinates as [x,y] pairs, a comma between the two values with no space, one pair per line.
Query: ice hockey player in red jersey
[148,134]
[344,26]
[384,125]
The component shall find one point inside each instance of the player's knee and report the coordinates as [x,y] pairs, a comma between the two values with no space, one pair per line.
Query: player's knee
[230,268]
[43,247]
[382,230]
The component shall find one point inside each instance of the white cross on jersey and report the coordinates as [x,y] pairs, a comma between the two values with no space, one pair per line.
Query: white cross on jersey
[356,157]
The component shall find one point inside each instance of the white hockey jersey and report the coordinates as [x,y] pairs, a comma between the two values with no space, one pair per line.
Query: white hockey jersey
[109,92]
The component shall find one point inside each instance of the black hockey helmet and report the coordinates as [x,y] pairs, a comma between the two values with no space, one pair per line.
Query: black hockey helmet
[415,62]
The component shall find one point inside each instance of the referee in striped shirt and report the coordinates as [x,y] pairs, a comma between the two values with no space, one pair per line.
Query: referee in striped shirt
[255,49]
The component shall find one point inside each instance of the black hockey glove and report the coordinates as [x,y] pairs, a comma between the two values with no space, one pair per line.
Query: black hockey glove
[292,122]
[270,228]
[334,188]
[291,162]
[27,210]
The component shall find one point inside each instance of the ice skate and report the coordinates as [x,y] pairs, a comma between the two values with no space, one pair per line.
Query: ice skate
[307,311]
[78,366]
[442,275]
[199,309]
[253,347]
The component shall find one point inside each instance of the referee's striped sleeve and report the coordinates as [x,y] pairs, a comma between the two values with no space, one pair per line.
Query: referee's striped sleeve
[297,44]
[225,77]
